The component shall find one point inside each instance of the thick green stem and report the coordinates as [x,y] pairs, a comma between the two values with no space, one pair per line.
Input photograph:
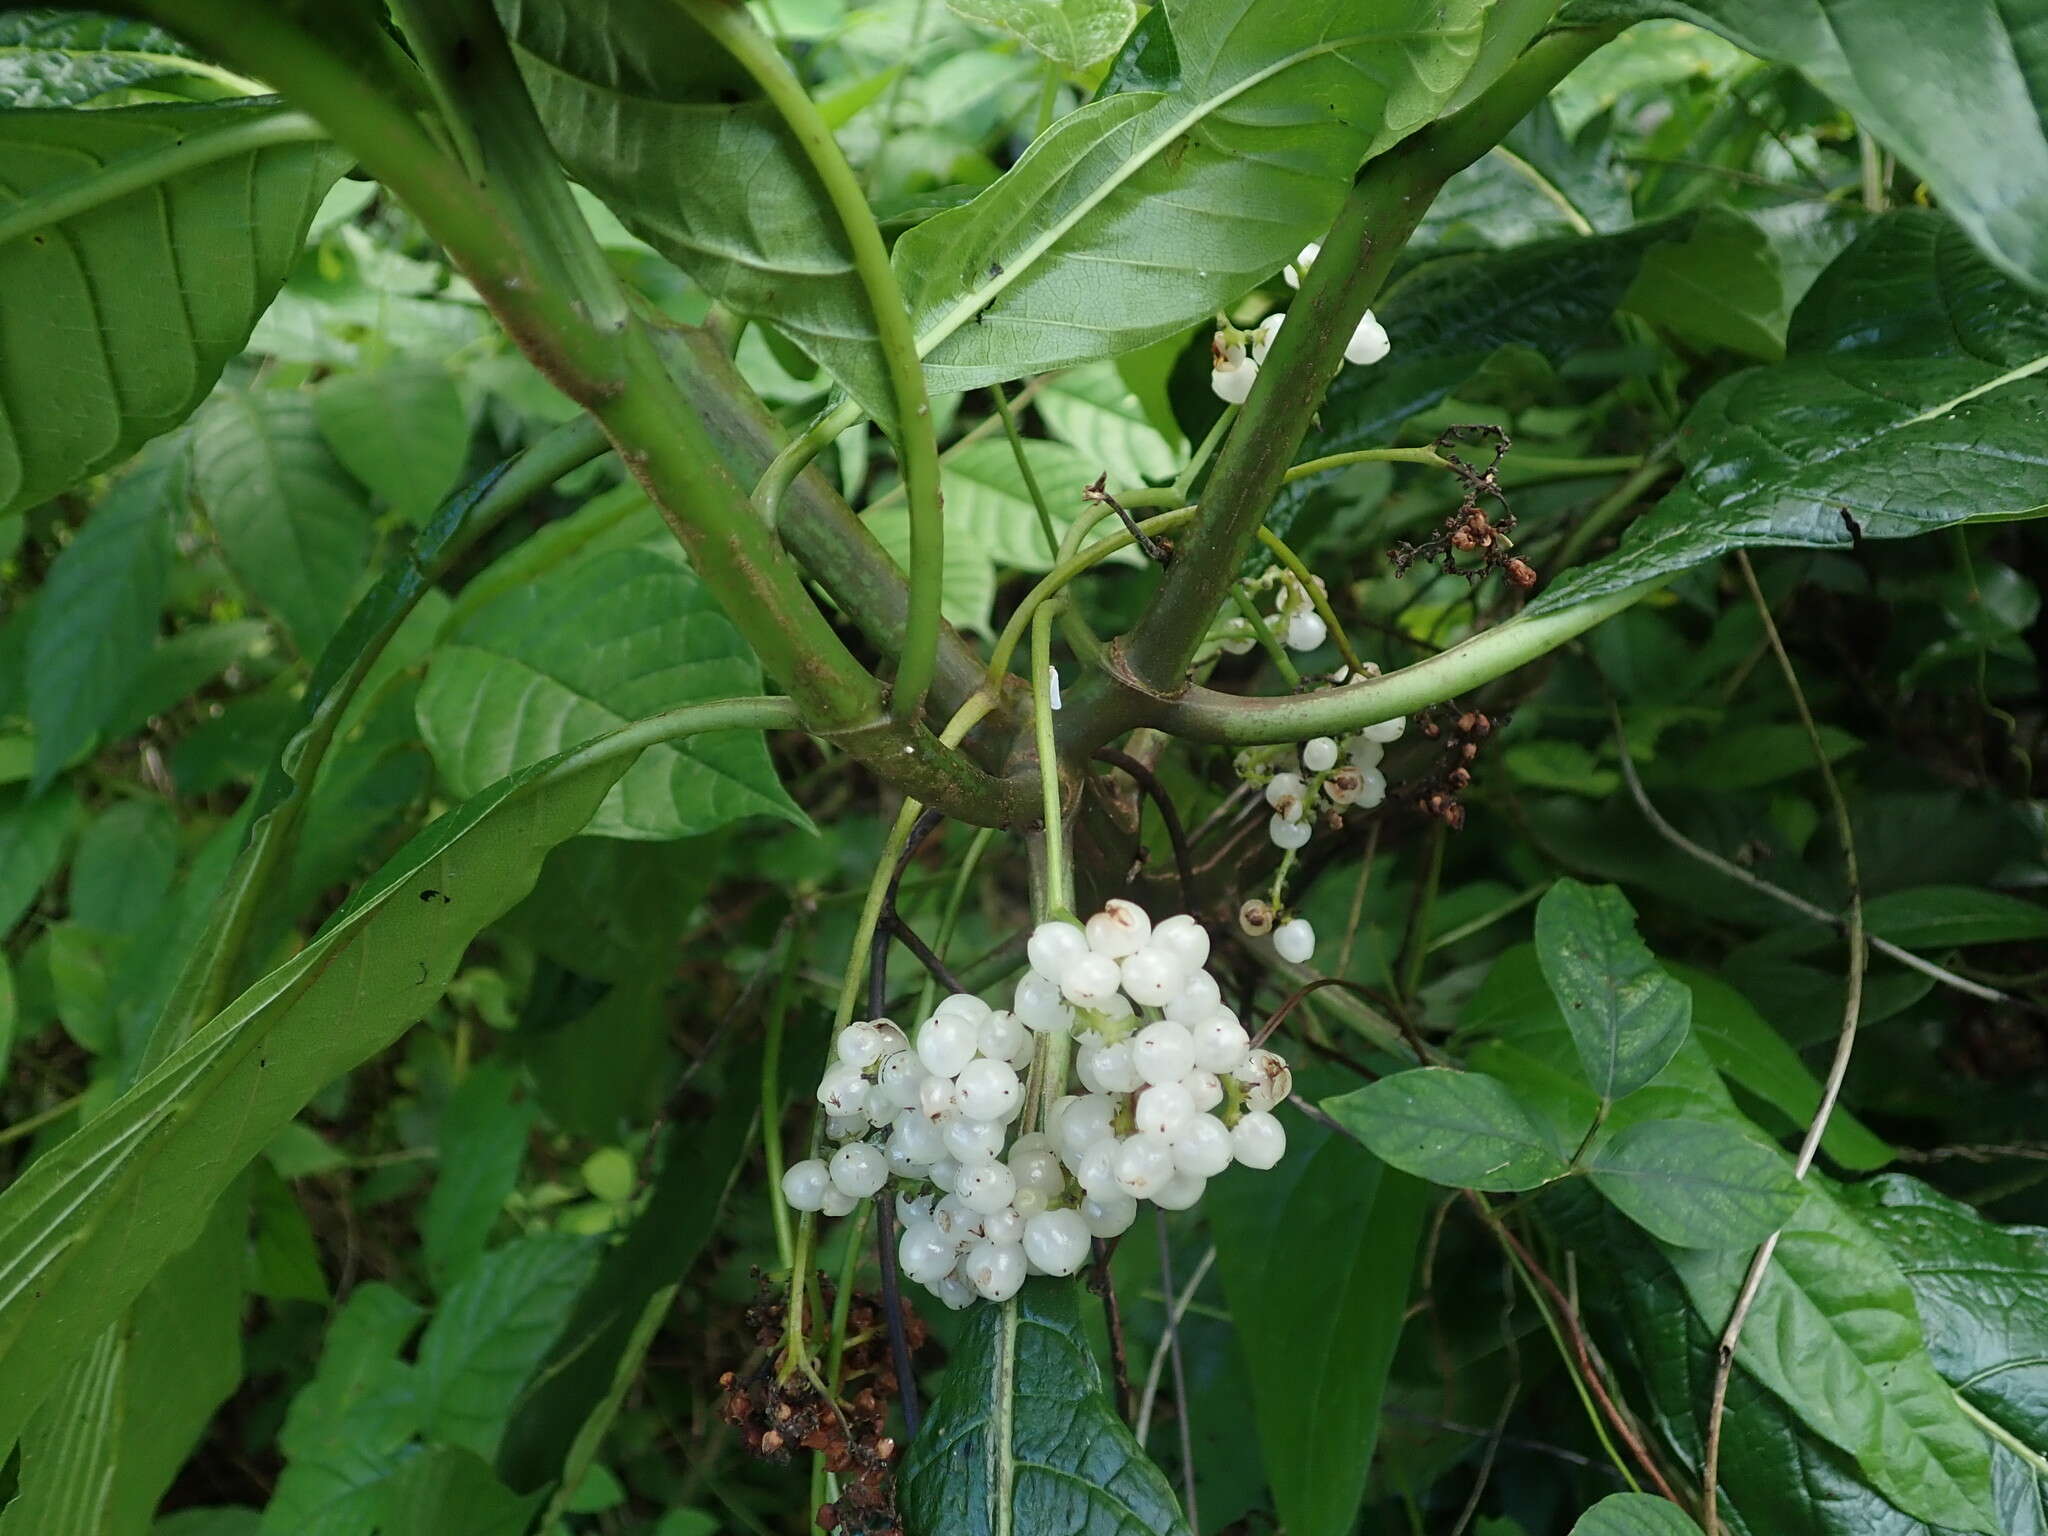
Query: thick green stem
[1391,196]
[1058,896]
[916,445]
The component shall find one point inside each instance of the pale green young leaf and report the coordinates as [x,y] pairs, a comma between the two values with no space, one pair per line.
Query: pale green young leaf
[137,249]
[1463,1129]
[1719,287]
[400,429]
[1073,33]
[97,620]
[52,58]
[1627,1017]
[290,520]
[1095,412]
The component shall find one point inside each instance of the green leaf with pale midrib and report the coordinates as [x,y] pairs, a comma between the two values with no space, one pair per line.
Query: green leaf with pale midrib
[1912,399]
[1141,213]
[86,1227]
[1626,1016]
[1459,1128]
[73,59]
[1022,1442]
[1634,1514]
[1075,33]
[1697,1183]
[126,287]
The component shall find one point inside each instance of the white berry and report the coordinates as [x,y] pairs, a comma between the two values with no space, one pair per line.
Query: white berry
[804,1184]
[924,1252]
[1232,383]
[1120,928]
[1057,1241]
[1319,755]
[1144,1164]
[1220,1043]
[1286,834]
[1179,1193]
[1258,1140]
[1202,1147]
[1183,938]
[1368,342]
[1152,976]
[859,1170]
[989,1090]
[1109,1215]
[985,1186]
[1052,947]
[1305,631]
[1002,1035]
[972,1141]
[1295,940]
[996,1270]
[1163,1052]
[1091,980]
[1039,1006]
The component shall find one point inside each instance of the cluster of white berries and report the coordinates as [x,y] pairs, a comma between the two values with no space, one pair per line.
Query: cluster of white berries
[1236,356]
[1295,622]
[1173,1092]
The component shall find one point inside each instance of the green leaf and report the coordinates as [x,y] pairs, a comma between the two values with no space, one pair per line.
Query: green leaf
[1072,33]
[1834,1334]
[97,618]
[72,59]
[1911,399]
[967,594]
[626,1364]
[126,859]
[1748,1051]
[1634,1514]
[401,430]
[289,519]
[1021,1439]
[657,119]
[1954,87]
[988,508]
[284,1259]
[346,1428]
[449,1491]
[137,248]
[1941,916]
[1696,1183]
[1458,1128]
[1315,1258]
[698,1163]
[85,1228]
[1720,287]
[1627,1017]
[482,1137]
[1754,755]
[584,648]
[1144,211]
[491,1331]
[1095,412]
[33,831]
[110,1439]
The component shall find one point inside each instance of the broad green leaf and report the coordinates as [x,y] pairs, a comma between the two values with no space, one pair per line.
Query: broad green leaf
[1753,755]
[346,1428]
[482,1141]
[1696,1183]
[1938,916]
[489,1333]
[613,910]
[33,831]
[1834,1334]
[1095,412]
[1315,1258]
[1634,1514]
[1720,287]
[580,1373]
[1144,211]
[290,521]
[88,1225]
[73,59]
[626,1364]
[126,859]
[988,508]
[401,430]
[1627,1017]
[180,666]
[1912,398]
[137,248]
[585,648]
[97,619]
[1957,88]
[1021,1439]
[1458,1128]
[10,1008]
[658,120]
[1750,1053]
[1073,33]
[967,596]
[284,1257]
[450,1491]
[222,1520]
[110,1439]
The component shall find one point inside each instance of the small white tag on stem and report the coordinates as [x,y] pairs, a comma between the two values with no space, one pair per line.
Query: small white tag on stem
[1053,685]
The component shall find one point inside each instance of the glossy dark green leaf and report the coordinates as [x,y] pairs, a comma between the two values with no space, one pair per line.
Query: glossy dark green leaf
[1634,1514]
[77,1241]
[98,616]
[1835,1335]
[1954,87]
[1938,916]
[401,430]
[1459,1128]
[112,221]
[291,522]
[1315,1258]
[1696,1183]
[1626,1015]
[1022,1440]
[1144,211]
[658,120]
[1912,398]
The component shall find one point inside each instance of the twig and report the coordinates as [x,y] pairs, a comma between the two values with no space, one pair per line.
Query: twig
[1799,904]
[1149,785]
[1372,848]
[878,951]
[925,954]
[1838,1069]
[1169,1349]
[1155,551]
[1103,1284]
[892,1304]
[1423,1054]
